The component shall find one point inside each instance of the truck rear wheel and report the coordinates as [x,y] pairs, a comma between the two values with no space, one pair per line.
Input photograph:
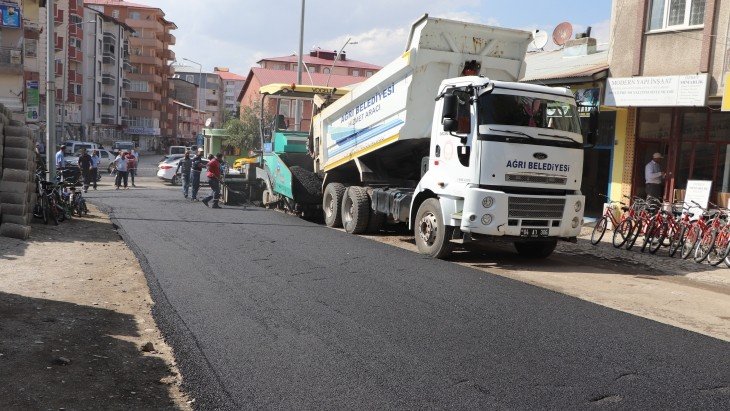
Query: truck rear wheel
[355,210]
[332,204]
[432,235]
[535,249]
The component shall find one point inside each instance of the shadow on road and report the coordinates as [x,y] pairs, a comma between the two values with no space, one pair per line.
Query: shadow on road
[57,355]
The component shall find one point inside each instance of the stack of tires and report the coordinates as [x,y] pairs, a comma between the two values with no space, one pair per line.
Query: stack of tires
[17,178]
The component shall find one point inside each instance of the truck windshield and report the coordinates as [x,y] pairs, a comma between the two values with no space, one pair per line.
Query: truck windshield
[526,111]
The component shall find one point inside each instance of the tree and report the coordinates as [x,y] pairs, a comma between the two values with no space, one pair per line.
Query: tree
[244,132]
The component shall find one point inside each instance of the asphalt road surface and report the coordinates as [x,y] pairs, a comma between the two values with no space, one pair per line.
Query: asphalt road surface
[265,310]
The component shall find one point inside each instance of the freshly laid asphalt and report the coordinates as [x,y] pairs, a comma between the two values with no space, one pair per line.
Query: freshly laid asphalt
[265,310]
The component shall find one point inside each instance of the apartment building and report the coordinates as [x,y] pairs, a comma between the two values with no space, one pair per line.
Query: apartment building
[188,125]
[210,91]
[668,67]
[106,67]
[232,86]
[323,62]
[150,120]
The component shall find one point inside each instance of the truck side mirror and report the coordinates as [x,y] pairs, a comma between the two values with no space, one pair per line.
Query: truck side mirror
[448,114]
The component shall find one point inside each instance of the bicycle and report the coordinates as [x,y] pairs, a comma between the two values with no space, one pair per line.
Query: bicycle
[601,225]
[695,232]
[706,243]
[642,220]
[682,224]
[622,233]
[714,239]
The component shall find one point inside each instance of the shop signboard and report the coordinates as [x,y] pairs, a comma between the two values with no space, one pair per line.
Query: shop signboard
[10,16]
[32,101]
[665,91]
[698,191]
[726,93]
[143,131]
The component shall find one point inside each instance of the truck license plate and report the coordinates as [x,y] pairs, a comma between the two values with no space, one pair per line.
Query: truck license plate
[534,232]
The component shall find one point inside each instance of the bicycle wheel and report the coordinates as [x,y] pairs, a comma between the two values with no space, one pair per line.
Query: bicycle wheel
[649,234]
[677,240]
[720,249]
[599,230]
[692,237]
[45,210]
[54,211]
[634,235]
[658,237]
[622,233]
[705,245]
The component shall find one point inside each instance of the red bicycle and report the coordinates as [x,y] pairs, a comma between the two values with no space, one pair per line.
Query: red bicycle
[602,224]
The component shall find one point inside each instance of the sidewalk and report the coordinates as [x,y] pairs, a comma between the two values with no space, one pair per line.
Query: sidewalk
[76,331]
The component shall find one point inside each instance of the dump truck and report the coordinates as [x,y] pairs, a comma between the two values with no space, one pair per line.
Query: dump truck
[446,140]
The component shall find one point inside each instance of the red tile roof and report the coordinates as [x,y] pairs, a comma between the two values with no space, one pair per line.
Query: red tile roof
[121,3]
[227,75]
[269,76]
[317,60]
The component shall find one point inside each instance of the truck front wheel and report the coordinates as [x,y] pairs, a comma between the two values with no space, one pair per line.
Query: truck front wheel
[535,249]
[432,235]
[355,210]
[332,204]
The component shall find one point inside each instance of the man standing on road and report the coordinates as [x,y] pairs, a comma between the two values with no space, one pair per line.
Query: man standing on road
[185,164]
[196,169]
[654,177]
[60,160]
[214,175]
[84,164]
[132,167]
[95,161]
[120,164]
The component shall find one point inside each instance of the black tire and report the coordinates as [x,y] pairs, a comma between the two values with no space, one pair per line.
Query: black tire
[691,238]
[535,249]
[705,245]
[432,235]
[677,240]
[660,234]
[173,181]
[599,230]
[634,235]
[45,209]
[649,234]
[332,204]
[355,210]
[717,254]
[621,233]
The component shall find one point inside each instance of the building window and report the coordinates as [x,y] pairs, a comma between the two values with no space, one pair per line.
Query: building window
[368,74]
[655,123]
[326,70]
[190,78]
[115,14]
[356,72]
[31,48]
[134,15]
[676,14]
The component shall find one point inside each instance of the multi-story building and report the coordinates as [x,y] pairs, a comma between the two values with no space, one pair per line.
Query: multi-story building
[150,122]
[669,65]
[105,82]
[323,62]
[232,86]
[187,123]
[184,91]
[210,91]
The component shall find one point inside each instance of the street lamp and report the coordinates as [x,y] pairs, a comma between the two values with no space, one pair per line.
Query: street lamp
[200,82]
[337,57]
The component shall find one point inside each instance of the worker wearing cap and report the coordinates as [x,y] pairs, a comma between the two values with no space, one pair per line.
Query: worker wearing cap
[195,170]
[654,176]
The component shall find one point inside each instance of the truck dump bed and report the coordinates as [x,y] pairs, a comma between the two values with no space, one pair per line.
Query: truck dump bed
[395,106]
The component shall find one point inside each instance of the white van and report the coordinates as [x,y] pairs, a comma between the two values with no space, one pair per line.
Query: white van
[73,147]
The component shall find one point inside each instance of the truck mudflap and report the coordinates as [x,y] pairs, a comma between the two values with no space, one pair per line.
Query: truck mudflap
[497,213]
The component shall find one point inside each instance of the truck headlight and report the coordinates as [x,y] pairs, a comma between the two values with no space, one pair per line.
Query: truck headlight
[487,219]
[488,202]
[578,206]
[575,222]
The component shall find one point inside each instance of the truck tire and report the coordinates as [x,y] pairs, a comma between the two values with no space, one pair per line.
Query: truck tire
[332,204]
[535,249]
[432,235]
[355,210]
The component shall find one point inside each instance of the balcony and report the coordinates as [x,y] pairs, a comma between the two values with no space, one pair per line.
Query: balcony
[109,58]
[145,42]
[126,103]
[11,60]
[144,24]
[57,15]
[110,38]
[126,84]
[170,39]
[75,54]
[168,55]
[108,79]
[108,119]
[139,112]
[156,61]
[153,78]
[144,95]
[126,121]
[108,100]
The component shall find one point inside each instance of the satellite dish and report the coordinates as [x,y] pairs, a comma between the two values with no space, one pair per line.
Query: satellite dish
[208,122]
[562,33]
[539,39]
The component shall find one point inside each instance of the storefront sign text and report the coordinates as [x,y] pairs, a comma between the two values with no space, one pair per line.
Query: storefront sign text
[667,91]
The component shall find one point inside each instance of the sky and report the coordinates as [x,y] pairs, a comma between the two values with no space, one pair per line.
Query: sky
[237,33]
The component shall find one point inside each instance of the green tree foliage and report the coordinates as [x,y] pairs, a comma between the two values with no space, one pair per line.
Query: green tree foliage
[244,132]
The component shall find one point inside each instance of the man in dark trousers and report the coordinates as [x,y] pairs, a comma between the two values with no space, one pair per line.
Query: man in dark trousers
[195,170]
[654,176]
[185,164]
[214,176]
[85,167]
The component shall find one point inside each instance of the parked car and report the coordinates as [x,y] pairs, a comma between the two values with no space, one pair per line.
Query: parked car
[166,171]
[73,146]
[170,157]
[106,156]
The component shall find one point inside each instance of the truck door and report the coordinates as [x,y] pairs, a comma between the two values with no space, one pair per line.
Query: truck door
[451,151]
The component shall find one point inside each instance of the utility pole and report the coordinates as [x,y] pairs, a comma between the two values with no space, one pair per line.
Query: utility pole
[51,145]
[298,111]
